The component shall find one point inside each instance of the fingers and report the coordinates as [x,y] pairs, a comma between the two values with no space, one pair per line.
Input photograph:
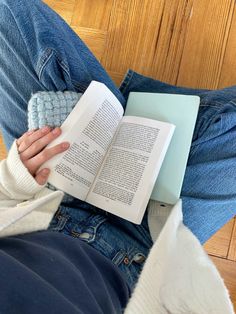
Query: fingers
[37,161]
[33,154]
[20,139]
[31,136]
[37,141]
[42,176]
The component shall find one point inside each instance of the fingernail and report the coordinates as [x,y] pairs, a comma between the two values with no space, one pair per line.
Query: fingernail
[45,129]
[56,131]
[65,145]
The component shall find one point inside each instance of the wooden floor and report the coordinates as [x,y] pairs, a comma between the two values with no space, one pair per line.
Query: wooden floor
[183,42]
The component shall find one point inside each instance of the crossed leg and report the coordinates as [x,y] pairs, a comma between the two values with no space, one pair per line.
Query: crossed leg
[40,52]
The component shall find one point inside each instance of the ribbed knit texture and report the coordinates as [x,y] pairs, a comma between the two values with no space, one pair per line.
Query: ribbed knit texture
[18,186]
[50,108]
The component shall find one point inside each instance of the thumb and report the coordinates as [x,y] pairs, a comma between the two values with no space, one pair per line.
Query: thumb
[42,176]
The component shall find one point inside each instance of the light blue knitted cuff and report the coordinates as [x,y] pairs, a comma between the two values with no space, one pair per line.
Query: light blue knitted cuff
[50,108]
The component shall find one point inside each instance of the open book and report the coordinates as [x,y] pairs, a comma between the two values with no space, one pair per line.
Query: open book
[113,161]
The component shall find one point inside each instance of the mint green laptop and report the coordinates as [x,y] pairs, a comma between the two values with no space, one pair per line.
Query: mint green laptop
[181,110]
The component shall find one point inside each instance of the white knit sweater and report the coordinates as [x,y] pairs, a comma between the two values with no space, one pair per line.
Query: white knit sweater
[178,276]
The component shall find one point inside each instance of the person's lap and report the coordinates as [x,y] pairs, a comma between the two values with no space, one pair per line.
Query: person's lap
[125,244]
[52,57]
[56,59]
[39,52]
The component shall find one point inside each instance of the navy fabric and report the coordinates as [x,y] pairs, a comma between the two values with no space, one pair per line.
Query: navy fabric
[50,272]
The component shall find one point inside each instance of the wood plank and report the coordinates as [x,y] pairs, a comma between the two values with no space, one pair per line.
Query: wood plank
[95,39]
[163,63]
[148,37]
[171,40]
[3,151]
[65,8]
[205,43]
[116,77]
[133,30]
[92,14]
[227,270]
[232,247]
[228,73]
[218,245]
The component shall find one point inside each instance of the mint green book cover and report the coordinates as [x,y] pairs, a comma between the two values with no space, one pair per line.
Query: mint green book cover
[181,110]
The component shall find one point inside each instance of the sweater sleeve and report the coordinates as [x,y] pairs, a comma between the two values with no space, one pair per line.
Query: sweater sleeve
[16,183]
[25,205]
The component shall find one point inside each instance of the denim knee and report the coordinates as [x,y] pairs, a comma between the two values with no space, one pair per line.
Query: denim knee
[6,2]
[5,13]
[9,4]
[13,3]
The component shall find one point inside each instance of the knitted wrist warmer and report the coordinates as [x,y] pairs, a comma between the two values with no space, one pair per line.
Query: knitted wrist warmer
[50,108]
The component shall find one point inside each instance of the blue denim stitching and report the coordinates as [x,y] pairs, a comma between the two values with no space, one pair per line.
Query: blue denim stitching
[46,56]
[119,257]
[125,83]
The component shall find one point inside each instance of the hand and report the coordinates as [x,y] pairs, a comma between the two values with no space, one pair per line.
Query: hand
[31,148]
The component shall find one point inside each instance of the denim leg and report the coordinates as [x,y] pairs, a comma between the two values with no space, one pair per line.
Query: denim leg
[209,187]
[39,51]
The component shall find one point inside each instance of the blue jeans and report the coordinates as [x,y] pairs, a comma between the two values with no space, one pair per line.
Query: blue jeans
[209,187]
[39,52]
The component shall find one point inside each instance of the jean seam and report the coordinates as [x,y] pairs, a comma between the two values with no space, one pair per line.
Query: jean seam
[119,257]
[44,59]
[232,102]
[23,39]
[126,81]
[81,87]
[63,64]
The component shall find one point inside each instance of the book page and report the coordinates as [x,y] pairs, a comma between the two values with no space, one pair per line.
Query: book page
[89,128]
[127,176]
